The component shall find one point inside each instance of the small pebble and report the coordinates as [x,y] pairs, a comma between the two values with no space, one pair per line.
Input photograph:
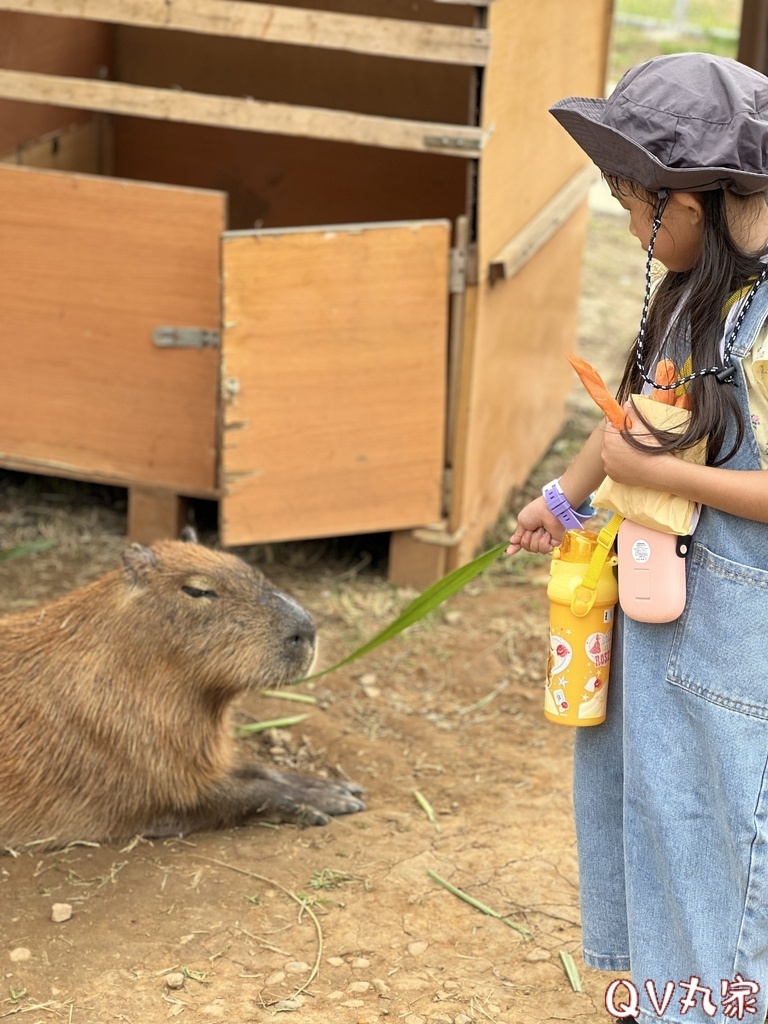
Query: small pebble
[359,986]
[369,679]
[441,1018]
[174,980]
[360,961]
[537,955]
[413,1018]
[61,912]
[452,618]
[290,1004]
[353,1002]
[297,967]
[275,978]
[462,1018]
[335,961]
[334,995]
[19,954]
[381,987]
[417,948]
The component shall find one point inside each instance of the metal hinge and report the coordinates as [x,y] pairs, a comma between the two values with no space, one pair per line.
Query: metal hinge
[471,145]
[457,271]
[185,337]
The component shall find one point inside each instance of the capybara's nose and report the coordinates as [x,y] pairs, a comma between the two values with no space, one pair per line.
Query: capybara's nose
[299,626]
[302,631]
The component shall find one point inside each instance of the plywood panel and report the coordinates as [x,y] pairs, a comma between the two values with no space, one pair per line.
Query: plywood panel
[57,46]
[301,75]
[278,181]
[539,54]
[91,266]
[334,361]
[514,394]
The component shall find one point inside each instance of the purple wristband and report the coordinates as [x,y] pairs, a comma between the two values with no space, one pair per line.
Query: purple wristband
[558,505]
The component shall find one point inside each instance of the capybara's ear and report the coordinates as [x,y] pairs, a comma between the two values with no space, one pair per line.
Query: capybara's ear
[189,535]
[138,561]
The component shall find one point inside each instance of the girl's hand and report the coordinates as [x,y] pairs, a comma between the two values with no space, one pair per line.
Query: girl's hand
[627,465]
[538,530]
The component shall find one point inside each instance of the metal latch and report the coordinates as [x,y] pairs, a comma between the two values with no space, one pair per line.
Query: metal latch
[185,337]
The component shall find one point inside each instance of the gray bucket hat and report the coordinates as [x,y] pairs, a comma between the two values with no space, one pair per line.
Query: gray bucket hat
[688,122]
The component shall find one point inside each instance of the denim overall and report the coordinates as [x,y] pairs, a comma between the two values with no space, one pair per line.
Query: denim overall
[671,792]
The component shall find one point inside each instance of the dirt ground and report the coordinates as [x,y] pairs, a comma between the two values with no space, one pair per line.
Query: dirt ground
[340,923]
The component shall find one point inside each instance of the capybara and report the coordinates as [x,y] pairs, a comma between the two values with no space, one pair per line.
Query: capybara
[115,703]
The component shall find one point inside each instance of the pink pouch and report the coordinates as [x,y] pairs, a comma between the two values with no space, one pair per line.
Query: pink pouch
[651,573]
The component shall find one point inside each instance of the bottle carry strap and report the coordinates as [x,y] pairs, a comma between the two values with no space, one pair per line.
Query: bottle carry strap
[585,594]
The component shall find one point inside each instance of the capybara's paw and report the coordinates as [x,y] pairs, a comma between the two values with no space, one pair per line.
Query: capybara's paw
[321,797]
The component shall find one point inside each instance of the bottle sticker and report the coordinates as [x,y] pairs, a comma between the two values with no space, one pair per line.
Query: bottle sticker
[641,551]
[608,615]
[598,648]
[560,655]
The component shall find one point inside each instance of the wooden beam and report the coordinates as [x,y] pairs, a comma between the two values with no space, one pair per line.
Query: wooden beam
[543,226]
[383,37]
[753,34]
[245,114]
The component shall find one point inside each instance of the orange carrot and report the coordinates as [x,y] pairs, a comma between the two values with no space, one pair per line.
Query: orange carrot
[666,373]
[597,390]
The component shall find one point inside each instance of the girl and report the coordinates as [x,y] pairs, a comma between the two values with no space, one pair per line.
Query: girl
[671,792]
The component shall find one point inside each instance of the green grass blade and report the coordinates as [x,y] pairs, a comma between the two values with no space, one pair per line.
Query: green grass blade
[299,698]
[571,970]
[31,548]
[425,603]
[428,809]
[476,903]
[274,723]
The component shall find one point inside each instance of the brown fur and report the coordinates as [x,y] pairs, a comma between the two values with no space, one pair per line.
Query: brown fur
[115,703]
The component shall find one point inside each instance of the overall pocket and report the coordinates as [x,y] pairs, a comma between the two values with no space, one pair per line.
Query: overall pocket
[720,646]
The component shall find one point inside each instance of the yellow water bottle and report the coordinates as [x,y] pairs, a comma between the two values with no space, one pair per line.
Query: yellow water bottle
[582,596]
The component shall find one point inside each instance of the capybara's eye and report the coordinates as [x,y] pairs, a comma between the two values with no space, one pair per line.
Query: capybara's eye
[197,592]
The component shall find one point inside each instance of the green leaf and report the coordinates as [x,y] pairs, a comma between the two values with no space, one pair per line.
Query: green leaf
[425,603]
[25,549]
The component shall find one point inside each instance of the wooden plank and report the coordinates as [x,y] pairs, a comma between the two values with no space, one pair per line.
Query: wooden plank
[155,514]
[520,380]
[90,267]
[529,157]
[753,35]
[77,148]
[303,75]
[413,564]
[383,37]
[55,46]
[245,114]
[540,228]
[334,363]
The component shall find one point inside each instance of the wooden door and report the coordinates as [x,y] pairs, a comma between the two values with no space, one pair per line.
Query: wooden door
[90,267]
[334,379]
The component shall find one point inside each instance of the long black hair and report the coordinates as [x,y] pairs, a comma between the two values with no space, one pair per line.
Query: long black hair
[686,312]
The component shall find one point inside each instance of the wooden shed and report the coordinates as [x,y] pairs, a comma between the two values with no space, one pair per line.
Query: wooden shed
[318,262]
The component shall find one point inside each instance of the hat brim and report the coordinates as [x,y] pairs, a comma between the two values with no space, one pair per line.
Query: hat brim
[615,153]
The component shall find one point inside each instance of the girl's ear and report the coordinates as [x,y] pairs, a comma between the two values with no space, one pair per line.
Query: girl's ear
[690,204]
